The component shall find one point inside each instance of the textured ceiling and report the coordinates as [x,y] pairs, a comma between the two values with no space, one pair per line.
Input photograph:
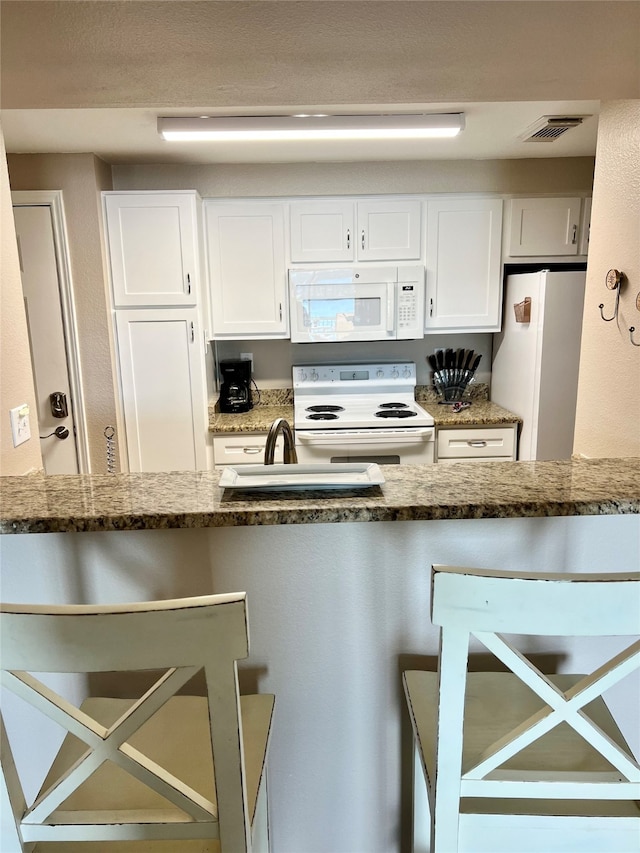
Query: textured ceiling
[121,64]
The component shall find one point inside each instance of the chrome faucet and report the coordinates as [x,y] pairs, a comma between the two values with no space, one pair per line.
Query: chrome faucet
[290,455]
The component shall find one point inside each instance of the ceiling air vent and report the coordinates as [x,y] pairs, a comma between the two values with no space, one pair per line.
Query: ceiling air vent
[550,128]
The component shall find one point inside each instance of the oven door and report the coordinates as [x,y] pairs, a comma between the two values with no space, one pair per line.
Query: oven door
[411,446]
[337,305]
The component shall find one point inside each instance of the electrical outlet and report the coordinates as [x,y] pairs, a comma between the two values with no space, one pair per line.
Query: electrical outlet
[20,426]
[249,357]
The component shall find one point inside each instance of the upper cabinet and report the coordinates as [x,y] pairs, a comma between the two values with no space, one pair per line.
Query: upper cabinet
[343,230]
[463,264]
[544,227]
[153,247]
[246,268]
[322,230]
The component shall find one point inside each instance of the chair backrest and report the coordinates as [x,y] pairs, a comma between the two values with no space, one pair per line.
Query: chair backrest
[483,603]
[181,637]
[542,603]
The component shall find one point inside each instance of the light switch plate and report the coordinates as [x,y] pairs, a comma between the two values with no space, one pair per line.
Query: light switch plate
[20,426]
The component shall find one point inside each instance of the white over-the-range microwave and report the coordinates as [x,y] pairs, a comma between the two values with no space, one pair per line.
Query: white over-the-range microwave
[357,304]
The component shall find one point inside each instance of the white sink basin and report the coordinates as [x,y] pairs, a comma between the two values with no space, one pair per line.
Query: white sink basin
[342,475]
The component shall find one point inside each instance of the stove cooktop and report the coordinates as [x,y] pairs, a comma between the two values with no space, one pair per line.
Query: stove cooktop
[357,396]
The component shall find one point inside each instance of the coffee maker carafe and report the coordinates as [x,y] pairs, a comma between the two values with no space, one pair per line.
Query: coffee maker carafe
[235,391]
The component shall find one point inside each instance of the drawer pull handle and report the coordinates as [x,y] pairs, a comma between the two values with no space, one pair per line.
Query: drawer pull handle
[476,443]
[252,450]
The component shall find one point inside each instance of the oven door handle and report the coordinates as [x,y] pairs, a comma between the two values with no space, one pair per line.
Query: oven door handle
[346,437]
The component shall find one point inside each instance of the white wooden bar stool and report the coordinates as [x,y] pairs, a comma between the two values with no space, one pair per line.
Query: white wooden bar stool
[519,761]
[141,771]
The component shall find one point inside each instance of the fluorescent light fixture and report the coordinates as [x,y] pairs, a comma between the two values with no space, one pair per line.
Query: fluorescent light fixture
[242,128]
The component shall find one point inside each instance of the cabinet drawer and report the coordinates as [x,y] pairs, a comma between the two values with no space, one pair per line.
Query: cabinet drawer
[476,443]
[242,449]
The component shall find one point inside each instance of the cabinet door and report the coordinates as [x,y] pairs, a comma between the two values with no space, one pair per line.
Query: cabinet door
[163,391]
[153,248]
[246,267]
[463,264]
[585,226]
[322,231]
[388,230]
[544,226]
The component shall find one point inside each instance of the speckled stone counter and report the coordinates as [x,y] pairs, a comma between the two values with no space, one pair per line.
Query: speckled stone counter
[259,419]
[38,504]
[278,403]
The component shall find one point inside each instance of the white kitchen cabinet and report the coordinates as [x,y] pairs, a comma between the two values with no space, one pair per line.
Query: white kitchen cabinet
[246,269]
[481,444]
[343,230]
[322,230]
[585,226]
[153,247]
[388,230]
[464,275]
[163,389]
[243,449]
[543,226]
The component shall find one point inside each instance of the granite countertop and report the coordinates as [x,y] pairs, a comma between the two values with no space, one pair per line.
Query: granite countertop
[38,504]
[278,403]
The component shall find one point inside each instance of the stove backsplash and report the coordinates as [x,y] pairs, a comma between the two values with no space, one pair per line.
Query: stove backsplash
[272,360]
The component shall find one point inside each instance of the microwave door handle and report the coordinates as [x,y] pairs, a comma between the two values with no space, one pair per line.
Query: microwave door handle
[391,307]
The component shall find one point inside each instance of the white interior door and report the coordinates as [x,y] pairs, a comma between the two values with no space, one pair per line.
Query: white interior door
[41,290]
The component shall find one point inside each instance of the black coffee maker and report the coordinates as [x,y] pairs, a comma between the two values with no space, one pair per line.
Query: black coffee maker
[235,391]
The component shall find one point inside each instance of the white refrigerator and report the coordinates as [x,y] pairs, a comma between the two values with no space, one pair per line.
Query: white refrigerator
[535,360]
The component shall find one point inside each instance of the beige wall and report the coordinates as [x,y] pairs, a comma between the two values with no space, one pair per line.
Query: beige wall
[608,408]
[555,175]
[81,177]
[16,377]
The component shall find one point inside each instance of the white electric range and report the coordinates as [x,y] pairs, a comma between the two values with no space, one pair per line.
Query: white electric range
[360,413]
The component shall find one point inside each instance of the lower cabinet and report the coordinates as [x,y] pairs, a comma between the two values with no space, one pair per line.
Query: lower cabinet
[163,389]
[481,444]
[242,449]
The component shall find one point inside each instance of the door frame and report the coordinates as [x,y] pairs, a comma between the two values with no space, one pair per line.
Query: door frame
[53,200]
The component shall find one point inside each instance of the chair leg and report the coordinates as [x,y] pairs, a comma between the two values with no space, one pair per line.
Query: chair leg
[12,803]
[260,841]
[421,812]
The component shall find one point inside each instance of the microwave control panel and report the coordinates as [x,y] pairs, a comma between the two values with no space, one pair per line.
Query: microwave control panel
[408,314]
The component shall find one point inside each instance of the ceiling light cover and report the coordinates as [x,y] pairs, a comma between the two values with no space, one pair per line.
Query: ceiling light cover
[240,128]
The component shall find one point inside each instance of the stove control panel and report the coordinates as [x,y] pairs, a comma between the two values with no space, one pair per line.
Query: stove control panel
[364,375]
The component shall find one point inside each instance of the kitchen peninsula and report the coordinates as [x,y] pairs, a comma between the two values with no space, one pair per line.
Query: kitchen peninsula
[336,609]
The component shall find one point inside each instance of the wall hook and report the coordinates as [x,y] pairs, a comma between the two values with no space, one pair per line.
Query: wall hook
[613,282]
[631,331]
